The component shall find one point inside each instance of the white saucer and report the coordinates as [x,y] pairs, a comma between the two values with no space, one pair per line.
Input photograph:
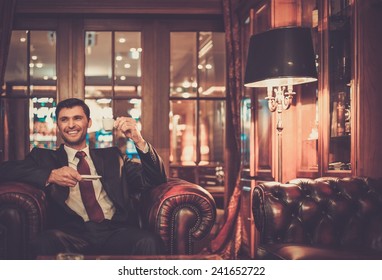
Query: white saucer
[90,177]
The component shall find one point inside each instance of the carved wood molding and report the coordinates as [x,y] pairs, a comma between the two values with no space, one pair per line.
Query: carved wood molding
[206,7]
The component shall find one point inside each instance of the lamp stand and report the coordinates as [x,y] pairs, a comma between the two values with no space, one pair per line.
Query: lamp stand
[281,101]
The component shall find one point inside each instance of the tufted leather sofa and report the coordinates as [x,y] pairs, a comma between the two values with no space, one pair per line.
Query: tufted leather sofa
[182,213]
[325,218]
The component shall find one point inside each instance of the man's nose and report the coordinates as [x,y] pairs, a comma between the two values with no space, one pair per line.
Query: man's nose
[71,123]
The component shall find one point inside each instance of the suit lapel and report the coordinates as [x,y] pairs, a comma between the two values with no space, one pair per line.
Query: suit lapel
[60,193]
[62,156]
[107,166]
[98,162]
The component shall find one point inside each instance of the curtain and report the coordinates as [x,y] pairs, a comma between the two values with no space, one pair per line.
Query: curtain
[228,240]
[7,10]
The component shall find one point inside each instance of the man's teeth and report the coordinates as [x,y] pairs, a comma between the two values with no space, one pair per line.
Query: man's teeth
[72,132]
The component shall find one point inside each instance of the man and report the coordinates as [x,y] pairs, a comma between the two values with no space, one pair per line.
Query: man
[91,216]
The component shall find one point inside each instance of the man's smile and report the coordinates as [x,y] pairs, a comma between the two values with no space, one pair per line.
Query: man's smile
[73,132]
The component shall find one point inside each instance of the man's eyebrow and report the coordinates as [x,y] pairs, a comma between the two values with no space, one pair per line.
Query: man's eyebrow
[75,116]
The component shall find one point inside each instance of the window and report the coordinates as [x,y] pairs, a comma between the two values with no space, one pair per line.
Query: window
[30,90]
[197,107]
[101,60]
[112,84]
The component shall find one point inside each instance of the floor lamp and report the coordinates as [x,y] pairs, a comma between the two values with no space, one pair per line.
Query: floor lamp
[278,59]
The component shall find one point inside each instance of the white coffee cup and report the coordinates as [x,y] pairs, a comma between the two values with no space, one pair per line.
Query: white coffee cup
[108,124]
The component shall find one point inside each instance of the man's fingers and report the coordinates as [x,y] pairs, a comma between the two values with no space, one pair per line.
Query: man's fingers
[65,176]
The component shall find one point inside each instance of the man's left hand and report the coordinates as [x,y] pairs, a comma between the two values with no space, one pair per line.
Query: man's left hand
[128,126]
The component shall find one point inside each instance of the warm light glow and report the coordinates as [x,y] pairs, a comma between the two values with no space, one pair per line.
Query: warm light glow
[186,84]
[135,101]
[187,154]
[206,48]
[135,113]
[36,88]
[212,89]
[104,101]
[285,81]
[134,53]
[107,88]
[186,95]
[204,150]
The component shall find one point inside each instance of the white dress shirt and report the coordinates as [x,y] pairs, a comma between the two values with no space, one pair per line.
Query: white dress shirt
[74,200]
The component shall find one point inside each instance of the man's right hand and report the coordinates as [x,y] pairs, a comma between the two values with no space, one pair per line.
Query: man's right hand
[64,176]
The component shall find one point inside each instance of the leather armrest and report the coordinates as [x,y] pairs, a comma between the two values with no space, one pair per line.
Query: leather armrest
[182,213]
[22,216]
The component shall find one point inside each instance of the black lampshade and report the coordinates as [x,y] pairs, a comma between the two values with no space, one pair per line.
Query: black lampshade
[280,57]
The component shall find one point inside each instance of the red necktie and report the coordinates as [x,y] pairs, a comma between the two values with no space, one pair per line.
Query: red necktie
[87,191]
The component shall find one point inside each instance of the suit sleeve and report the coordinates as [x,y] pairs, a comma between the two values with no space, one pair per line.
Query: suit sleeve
[148,173]
[26,171]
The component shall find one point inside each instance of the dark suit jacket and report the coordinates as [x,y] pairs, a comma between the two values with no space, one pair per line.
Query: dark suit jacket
[122,178]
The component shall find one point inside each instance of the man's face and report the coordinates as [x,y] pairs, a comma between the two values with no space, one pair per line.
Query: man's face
[73,125]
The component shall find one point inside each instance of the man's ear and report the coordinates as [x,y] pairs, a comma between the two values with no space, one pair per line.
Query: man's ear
[90,123]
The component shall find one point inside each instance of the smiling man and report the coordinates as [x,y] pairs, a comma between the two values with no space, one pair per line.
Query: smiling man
[92,216]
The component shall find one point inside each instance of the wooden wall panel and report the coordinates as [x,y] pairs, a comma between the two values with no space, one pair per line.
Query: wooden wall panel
[155,110]
[368,94]
[195,7]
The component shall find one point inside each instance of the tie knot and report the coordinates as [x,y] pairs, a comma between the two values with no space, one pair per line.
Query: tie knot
[81,154]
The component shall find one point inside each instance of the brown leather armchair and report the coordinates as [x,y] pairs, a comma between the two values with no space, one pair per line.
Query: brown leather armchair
[325,218]
[182,213]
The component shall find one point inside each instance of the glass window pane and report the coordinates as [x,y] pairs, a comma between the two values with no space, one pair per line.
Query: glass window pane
[183,132]
[130,108]
[42,71]
[16,75]
[127,71]
[42,122]
[98,69]
[187,173]
[211,131]
[308,126]
[97,136]
[103,108]
[264,129]
[183,64]
[340,26]
[42,63]
[15,135]
[246,131]
[211,67]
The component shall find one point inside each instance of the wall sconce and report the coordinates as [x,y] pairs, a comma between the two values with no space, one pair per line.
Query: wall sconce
[278,59]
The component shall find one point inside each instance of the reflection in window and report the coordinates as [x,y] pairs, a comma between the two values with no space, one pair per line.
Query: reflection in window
[31,78]
[113,84]
[245,131]
[183,132]
[42,123]
[197,103]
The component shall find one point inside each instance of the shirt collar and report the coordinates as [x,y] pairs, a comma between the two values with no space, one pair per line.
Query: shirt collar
[72,152]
